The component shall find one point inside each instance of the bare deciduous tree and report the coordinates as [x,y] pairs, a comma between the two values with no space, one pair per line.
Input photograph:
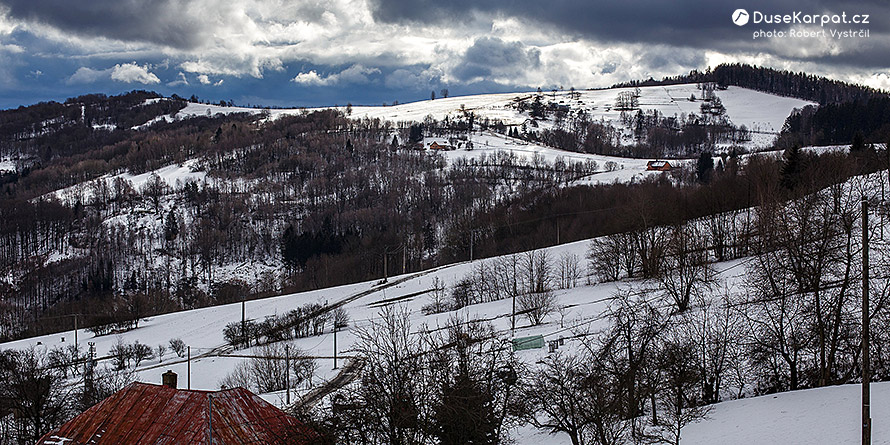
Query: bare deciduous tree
[569,270]
[687,272]
[571,395]
[536,306]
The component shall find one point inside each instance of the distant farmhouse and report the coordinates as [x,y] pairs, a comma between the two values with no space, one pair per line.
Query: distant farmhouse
[452,143]
[660,166]
[435,145]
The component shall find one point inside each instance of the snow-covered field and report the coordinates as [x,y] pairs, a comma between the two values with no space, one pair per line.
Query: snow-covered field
[759,112]
[762,113]
[7,166]
[172,175]
[827,416]
[489,143]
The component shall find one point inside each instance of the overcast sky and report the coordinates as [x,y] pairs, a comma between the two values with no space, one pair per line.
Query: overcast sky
[325,52]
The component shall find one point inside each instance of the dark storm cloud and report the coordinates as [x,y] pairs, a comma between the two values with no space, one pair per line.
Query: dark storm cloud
[492,56]
[150,21]
[696,24]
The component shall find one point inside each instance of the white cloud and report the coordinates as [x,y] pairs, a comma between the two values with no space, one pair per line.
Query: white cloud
[6,26]
[181,80]
[414,79]
[127,72]
[355,74]
[12,48]
[311,78]
[133,73]
[205,80]
[88,75]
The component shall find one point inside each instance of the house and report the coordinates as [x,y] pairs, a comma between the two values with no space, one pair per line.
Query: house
[143,413]
[437,146]
[661,166]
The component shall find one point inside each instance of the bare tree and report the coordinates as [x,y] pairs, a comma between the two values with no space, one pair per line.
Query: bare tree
[537,306]
[537,269]
[627,348]
[339,318]
[718,333]
[35,391]
[438,298]
[687,272]
[154,189]
[569,270]
[571,395]
[626,100]
[604,257]
[651,244]
[777,321]
[268,371]
[140,352]
[178,346]
[392,400]
[678,398]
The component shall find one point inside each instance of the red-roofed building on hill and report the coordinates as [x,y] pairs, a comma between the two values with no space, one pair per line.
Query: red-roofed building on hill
[143,413]
[662,166]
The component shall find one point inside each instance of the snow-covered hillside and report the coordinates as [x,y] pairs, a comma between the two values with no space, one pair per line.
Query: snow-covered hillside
[812,416]
[827,415]
[762,113]
[171,175]
[795,417]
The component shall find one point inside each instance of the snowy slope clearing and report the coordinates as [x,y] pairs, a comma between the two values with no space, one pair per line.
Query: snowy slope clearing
[171,175]
[610,169]
[812,416]
[762,113]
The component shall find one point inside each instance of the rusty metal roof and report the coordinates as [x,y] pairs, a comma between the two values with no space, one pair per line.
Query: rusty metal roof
[142,413]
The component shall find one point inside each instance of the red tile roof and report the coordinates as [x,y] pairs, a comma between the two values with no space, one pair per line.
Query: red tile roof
[658,165]
[142,413]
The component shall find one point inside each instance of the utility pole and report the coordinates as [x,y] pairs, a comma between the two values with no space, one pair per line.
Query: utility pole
[75,333]
[210,418]
[472,235]
[866,376]
[244,322]
[513,261]
[513,317]
[404,259]
[385,272]
[287,371]
[189,367]
[335,345]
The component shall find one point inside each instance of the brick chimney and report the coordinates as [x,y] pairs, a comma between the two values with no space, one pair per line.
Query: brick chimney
[169,379]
